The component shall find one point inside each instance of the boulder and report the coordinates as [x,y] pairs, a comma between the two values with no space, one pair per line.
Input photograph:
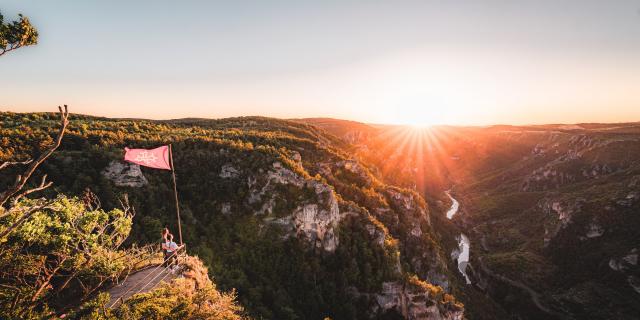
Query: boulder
[125,174]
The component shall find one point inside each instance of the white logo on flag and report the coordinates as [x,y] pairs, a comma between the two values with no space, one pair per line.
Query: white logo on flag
[146,157]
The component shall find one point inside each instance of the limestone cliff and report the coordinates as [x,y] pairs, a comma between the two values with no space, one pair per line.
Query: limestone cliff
[125,174]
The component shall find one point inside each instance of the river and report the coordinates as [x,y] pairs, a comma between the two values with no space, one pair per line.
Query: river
[454,206]
[464,245]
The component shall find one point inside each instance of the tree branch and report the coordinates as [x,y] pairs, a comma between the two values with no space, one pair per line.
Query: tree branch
[43,185]
[10,163]
[11,48]
[23,178]
[49,276]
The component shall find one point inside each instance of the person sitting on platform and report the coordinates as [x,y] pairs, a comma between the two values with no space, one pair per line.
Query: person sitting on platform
[172,252]
[163,245]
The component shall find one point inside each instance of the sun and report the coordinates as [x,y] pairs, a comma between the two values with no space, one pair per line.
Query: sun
[420,125]
[417,122]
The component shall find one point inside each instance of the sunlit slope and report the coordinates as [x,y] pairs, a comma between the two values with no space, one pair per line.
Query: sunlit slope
[552,208]
[278,210]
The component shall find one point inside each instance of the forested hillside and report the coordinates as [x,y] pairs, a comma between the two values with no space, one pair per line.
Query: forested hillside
[560,215]
[551,211]
[277,210]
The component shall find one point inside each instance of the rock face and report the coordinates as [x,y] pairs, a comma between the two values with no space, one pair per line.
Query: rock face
[318,224]
[316,218]
[629,200]
[411,303]
[357,169]
[634,282]
[547,177]
[228,171]
[595,230]
[411,215]
[559,215]
[125,174]
[628,266]
[575,158]
[376,234]
[225,208]
[626,262]
[409,205]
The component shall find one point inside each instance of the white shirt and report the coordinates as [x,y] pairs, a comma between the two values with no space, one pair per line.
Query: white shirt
[171,246]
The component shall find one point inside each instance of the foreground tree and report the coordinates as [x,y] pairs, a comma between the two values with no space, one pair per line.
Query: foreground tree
[62,254]
[16,34]
[52,250]
[17,191]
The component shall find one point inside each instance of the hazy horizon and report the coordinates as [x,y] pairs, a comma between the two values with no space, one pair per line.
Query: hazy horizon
[407,62]
[338,119]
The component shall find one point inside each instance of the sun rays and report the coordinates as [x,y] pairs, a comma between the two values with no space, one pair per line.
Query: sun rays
[420,152]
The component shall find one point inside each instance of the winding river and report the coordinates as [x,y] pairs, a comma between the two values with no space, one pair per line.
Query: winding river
[454,206]
[462,254]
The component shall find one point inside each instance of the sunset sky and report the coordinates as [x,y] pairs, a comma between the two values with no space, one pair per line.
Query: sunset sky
[407,62]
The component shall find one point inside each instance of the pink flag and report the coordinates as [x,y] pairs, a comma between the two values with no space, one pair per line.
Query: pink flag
[155,158]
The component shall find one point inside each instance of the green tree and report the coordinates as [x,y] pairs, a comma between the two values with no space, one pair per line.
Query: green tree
[64,249]
[16,34]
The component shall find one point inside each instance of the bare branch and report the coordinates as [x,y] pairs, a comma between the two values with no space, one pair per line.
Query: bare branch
[49,275]
[128,209]
[90,200]
[23,178]
[124,203]
[11,48]
[43,185]
[13,163]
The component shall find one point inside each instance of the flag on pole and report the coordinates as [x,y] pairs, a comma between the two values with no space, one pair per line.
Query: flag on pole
[159,158]
[155,158]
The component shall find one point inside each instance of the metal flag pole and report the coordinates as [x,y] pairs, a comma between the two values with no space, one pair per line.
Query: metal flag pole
[175,191]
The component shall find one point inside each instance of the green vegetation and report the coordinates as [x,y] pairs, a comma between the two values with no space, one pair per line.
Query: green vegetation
[16,34]
[554,214]
[63,252]
[59,253]
[277,273]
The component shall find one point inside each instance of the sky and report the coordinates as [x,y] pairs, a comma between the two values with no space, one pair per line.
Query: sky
[400,62]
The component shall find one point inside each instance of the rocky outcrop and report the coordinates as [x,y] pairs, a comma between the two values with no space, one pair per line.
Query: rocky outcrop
[594,230]
[547,177]
[629,200]
[318,224]
[412,223]
[282,175]
[577,158]
[225,208]
[410,206]
[634,282]
[377,234]
[125,174]
[628,266]
[558,214]
[357,169]
[625,263]
[316,218]
[596,170]
[413,303]
[228,171]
